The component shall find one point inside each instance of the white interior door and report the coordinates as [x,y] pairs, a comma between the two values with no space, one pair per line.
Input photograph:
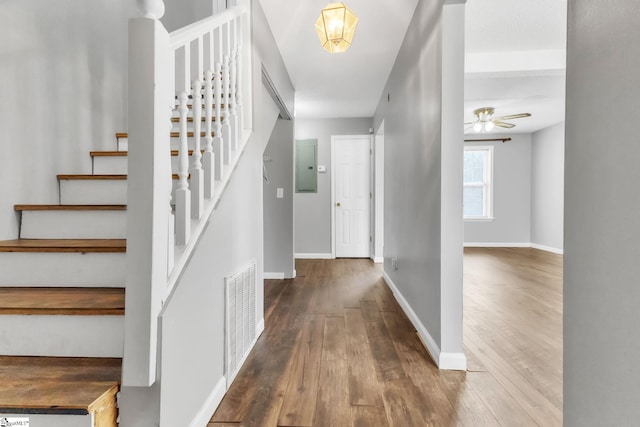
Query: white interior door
[352,193]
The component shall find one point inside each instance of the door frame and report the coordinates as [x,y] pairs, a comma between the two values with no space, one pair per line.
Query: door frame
[334,140]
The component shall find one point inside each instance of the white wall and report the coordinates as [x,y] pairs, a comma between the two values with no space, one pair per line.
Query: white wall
[192,359]
[64,74]
[547,187]
[278,213]
[511,195]
[313,210]
[602,215]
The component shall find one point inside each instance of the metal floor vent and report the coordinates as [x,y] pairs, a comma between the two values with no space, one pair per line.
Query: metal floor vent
[240,325]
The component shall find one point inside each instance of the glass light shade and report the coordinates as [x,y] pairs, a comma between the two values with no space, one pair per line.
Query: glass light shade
[489,126]
[477,126]
[336,27]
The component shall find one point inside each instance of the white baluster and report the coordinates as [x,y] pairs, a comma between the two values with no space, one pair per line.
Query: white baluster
[153,9]
[183,195]
[197,174]
[208,159]
[238,100]
[226,124]
[171,225]
[233,122]
[218,142]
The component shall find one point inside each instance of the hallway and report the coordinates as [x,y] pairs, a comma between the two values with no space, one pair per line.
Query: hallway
[338,351]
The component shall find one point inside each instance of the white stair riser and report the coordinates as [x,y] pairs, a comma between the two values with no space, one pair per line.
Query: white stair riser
[93,192]
[97,192]
[74,225]
[110,165]
[117,165]
[62,269]
[62,336]
[53,420]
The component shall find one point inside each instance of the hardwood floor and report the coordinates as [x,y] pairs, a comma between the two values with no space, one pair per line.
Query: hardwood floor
[337,350]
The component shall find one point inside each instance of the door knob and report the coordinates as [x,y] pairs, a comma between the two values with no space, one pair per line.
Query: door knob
[338,204]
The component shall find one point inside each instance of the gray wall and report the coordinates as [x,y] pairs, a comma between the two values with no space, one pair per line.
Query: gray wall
[511,195]
[602,215]
[313,210]
[180,13]
[278,213]
[412,120]
[547,187]
[64,74]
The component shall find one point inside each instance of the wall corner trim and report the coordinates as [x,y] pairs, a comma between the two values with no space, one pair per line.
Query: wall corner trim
[547,248]
[272,276]
[378,259]
[452,361]
[211,404]
[314,256]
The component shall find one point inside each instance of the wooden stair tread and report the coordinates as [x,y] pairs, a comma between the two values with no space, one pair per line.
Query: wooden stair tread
[126,153]
[64,245]
[70,207]
[172,134]
[101,177]
[190,119]
[57,385]
[62,301]
[87,176]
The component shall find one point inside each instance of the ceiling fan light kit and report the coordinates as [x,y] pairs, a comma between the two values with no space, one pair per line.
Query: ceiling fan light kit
[485,123]
[336,27]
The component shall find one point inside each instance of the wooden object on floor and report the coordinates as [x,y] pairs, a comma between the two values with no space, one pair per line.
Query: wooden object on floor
[59,385]
[391,379]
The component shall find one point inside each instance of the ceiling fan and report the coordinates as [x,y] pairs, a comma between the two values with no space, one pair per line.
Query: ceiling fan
[485,123]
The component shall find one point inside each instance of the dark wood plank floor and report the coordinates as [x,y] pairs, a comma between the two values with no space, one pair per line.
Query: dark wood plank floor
[337,350]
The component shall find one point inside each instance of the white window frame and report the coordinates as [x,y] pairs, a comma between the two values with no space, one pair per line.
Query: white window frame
[487,183]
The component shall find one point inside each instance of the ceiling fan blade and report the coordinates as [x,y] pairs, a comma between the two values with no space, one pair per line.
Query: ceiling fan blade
[503,124]
[512,116]
[469,123]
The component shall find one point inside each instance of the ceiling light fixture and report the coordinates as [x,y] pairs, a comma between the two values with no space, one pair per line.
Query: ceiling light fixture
[336,27]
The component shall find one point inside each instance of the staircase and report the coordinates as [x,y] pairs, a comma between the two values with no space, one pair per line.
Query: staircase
[66,345]
[62,299]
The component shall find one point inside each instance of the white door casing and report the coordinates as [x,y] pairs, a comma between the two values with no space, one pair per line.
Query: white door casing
[351,195]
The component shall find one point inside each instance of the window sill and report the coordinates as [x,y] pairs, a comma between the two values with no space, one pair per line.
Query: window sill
[487,219]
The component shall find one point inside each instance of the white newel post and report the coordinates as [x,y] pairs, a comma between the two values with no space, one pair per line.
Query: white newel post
[148,190]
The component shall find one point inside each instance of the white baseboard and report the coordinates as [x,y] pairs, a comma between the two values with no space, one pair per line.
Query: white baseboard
[259,330]
[313,256]
[273,276]
[445,361]
[210,405]
[378,259]
[513,245]
[295,274]
[547,248]
[496,245]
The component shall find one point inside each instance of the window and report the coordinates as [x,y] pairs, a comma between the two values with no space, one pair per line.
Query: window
[478,186]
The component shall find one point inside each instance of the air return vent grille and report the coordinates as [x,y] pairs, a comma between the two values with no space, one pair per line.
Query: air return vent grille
[240,308]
